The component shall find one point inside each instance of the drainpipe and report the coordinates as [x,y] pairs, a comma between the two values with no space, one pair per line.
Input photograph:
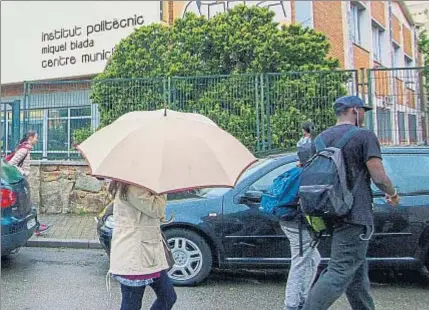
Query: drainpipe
[394,117]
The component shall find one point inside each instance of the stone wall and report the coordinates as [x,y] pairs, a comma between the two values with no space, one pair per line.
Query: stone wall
[66,187]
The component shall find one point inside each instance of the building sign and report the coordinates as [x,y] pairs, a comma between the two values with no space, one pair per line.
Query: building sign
[62,39]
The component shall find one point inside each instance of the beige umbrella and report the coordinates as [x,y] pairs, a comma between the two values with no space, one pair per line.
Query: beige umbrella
[166,154]
[144,115]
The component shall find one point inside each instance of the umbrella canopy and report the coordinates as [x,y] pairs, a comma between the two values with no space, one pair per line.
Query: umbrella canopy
[166,153]
[144,115]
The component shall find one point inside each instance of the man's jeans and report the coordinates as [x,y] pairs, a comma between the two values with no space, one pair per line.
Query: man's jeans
[347,271]
[303,269]
[164,290]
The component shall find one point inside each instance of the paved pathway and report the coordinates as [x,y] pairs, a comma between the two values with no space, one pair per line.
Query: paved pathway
[75,231]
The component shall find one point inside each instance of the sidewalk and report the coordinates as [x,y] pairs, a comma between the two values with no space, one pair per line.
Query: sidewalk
[71,231]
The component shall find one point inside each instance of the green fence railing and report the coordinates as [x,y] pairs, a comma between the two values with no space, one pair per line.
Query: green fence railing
[264,111]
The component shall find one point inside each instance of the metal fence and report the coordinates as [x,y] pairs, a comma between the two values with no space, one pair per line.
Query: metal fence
[399,101]
[264,111]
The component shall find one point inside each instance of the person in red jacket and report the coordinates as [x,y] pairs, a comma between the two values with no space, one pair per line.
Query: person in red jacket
[20,158]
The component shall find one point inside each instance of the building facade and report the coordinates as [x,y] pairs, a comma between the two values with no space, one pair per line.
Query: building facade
[73,41]
[363,35]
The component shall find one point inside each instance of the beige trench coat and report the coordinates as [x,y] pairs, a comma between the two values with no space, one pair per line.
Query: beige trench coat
[137,247]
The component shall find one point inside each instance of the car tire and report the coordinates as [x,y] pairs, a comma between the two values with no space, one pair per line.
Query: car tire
[192,255]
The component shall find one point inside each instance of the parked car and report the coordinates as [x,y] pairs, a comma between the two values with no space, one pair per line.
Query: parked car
[225,228]
[18,216]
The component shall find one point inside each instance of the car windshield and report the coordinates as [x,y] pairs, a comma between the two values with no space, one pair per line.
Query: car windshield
[219,191]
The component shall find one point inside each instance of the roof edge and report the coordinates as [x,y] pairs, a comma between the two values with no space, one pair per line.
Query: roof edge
[406,11]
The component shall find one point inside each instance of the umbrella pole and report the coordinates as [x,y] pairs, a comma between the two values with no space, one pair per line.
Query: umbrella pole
[165,109]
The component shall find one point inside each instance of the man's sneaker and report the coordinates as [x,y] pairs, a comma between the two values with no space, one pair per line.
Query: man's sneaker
[42,229]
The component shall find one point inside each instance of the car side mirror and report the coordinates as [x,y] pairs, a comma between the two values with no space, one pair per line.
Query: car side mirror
[251,197]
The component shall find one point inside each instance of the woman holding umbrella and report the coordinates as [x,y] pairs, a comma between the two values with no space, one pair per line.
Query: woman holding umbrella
[137,257]
[159,152]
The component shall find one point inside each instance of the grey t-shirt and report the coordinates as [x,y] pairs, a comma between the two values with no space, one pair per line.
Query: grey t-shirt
[363,146]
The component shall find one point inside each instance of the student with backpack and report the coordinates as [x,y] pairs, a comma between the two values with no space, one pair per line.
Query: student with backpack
[335,188]
[305,258]
[20,158]
[281,201]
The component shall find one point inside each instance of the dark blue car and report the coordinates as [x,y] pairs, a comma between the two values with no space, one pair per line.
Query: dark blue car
[225,228]
[18,216]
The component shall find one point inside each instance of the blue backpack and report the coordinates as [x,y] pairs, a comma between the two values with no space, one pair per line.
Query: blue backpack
[282,197]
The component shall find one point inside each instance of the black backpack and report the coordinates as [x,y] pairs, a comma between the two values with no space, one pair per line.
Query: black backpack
[323,190]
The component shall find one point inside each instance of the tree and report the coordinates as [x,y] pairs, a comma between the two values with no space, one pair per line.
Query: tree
[424,45]
[214,67]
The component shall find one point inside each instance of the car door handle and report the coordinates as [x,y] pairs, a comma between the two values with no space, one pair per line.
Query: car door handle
[247,244]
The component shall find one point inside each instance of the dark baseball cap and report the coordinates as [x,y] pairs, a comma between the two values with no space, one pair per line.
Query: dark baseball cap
[347,102]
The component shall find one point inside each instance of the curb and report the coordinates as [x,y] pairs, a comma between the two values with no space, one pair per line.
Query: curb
[35,242]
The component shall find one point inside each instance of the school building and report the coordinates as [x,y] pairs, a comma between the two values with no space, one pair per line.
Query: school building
[57,41]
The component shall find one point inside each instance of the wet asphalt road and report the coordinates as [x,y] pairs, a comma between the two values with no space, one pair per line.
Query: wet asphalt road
[38,278]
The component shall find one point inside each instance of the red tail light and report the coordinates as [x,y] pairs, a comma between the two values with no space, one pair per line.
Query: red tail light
[8,198]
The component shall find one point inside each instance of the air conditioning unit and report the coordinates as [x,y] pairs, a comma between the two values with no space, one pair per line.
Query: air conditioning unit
[388,102]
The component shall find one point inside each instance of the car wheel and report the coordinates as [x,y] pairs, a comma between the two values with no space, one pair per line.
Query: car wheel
[192,257]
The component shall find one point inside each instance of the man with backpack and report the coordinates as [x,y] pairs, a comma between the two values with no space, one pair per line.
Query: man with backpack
[335,187]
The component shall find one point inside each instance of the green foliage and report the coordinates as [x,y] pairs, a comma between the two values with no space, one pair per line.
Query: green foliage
[424,44]
[424,49]
[81,134]
[228,54]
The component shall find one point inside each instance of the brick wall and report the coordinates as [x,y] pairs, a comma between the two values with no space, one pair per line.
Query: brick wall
[408,49]
[12,90]
[378,12]
[293,11]
[361,57]
[76,84]
[178,7]
[381,82]
[329,20]
[396,29]
[170,12]
[399,94]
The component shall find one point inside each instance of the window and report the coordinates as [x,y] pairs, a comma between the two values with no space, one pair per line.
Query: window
[303,13]
[57,135]
[396,56]
[35,122]
[412,127]
[384,126]
[357,22]
[6,127]
[410,76]
[409,63]
[410,178]
[265,182]
[401,125]
[377,42]
[55,128]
